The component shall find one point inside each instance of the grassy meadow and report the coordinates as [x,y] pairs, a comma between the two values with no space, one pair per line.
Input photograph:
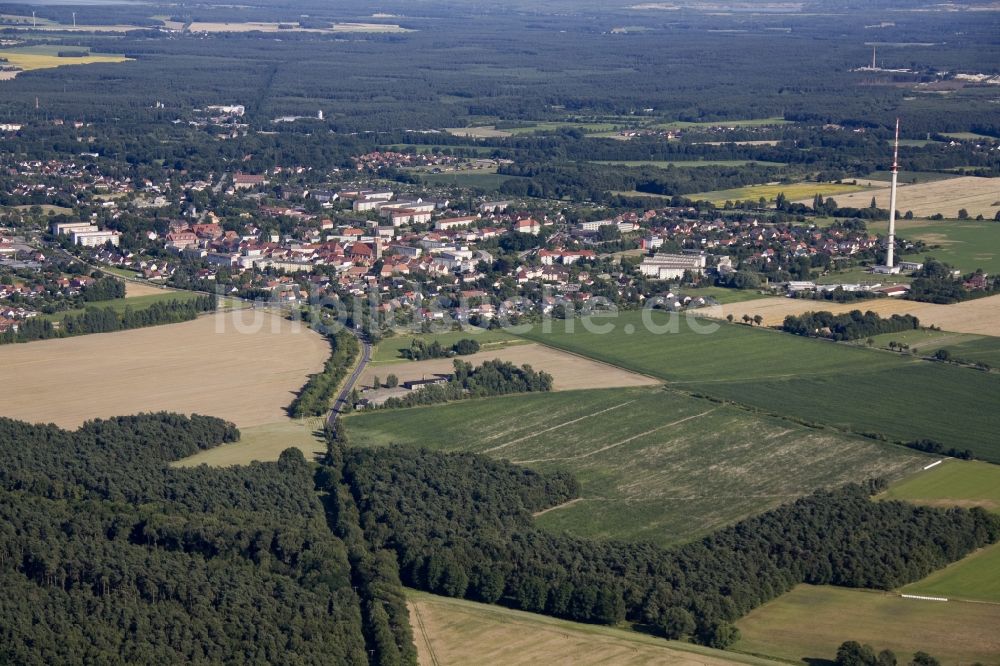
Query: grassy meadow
[390,350]
[792,191]
[654,465]
[963,346]
[815,381]
[957,483]
[134,302]
[966,244]
[809,623]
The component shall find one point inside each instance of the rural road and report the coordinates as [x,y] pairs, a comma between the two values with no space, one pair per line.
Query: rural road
[338,405]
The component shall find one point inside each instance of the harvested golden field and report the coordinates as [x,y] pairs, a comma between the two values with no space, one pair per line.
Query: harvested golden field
[31,61]
[980,316]
[454,631]
[243,366]
[568,370]
[979,196]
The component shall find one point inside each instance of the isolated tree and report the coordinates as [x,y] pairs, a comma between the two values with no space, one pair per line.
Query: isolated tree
[392,381]
[886,658]
[852,653]
[376,382]
[746,319]
[873,204]
[963,214]
[729,317]
[757,319]
[924,659]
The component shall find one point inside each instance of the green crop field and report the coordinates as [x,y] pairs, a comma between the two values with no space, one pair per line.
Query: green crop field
[851,388]
[654,465]
[390,350]
[809,623]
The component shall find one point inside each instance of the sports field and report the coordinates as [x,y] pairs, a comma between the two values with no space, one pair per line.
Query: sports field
[979,196]
[241,366]
[980,316]
[815,381]
[791,191]
[809,623]
[568,371]
[459,632]
[654,465]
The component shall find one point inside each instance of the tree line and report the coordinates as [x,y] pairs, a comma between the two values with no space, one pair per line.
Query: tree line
[493,377]
[108,319]
[461,526]
[420,350]
[315,397]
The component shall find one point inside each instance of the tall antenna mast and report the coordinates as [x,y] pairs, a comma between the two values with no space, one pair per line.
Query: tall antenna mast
[74,19]
[892,199]
[873,58]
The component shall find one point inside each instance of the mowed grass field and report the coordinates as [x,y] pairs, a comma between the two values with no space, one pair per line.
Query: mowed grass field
[815,381]
[809,623]
[792,191]
[265,443]
[390,350]
[979,196]
[243,366]
[457,632]
[966,484]
[654,465]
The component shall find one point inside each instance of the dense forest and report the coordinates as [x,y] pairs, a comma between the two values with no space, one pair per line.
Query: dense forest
[461,526]
[852,325]
[493,377]
[109,556]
